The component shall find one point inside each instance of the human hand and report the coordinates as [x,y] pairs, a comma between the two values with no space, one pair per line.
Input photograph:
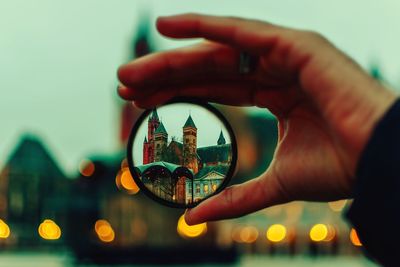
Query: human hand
[326,105]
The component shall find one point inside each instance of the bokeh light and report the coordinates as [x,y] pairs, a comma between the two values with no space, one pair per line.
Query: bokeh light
[104,231]
[331,233]
[319,232]
[337,206]
[49,230]
[125,182]
[354,238]
[4,230]
[128,183]
[86,168]
[276,233]
[190,231]
[235,234]
[248,234]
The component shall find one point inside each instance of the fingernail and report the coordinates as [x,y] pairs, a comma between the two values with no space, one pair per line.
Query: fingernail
[186,214]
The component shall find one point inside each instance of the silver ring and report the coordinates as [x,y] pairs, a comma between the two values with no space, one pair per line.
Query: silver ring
[246,63]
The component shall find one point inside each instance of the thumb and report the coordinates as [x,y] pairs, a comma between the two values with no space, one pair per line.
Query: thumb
[239,200]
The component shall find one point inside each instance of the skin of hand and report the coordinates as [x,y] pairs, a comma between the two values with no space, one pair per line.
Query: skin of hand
[326,105]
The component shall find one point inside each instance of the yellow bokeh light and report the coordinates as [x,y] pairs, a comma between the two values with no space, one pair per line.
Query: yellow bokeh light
[276,233]
[337,206]
[49,230]
[86,168]
[191,231]
[319,232]
[104,231]
[4,230]
[354,238]
[248,234]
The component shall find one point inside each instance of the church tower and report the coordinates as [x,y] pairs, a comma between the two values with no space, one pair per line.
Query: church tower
[141,45]
[152,125]
[190,145]
[146,145]
[221,139]
[160,142]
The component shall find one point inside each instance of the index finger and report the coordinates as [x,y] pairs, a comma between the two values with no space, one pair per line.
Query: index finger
[248,35]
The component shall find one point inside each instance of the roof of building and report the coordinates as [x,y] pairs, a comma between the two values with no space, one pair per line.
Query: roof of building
[221,139]
[170,166]
[221,169]
[218,153]
[31,156]
[189,123]
[178,144]
[154,115]
[160,129]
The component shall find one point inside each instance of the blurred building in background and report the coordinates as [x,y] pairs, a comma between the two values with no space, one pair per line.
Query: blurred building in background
[33,188]
[101,215]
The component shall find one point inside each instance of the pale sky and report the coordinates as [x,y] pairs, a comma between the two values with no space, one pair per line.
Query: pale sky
[59,58]
[173,118]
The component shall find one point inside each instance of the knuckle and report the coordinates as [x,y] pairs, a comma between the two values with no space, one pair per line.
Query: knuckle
[228,195]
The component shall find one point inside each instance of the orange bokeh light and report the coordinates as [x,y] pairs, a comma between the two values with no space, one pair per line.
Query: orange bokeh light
[86,168]
[104,231]
[354,238]
[248,234]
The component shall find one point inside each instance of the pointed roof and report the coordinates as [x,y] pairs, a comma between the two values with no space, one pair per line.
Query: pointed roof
[189,122]
[145,139]
[161,129]
[221,139]
[32,156]
[141,43]
[154,115]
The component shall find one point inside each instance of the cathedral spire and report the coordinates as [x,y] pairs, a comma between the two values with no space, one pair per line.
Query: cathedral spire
[154,115]
[145,139]
[221,139]
[189,123]
[161,129]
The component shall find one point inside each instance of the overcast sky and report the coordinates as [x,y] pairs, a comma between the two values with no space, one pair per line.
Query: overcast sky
[59,58]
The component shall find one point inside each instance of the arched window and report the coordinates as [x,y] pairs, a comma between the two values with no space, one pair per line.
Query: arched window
[214,187]
[205,189]
[197,188]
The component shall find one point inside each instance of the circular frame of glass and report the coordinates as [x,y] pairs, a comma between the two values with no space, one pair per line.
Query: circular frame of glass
[136,176]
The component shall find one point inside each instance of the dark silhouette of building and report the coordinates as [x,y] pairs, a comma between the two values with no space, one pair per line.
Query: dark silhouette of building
[33,188]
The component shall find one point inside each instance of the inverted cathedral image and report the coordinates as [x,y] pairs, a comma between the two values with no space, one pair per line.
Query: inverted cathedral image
[178,171]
